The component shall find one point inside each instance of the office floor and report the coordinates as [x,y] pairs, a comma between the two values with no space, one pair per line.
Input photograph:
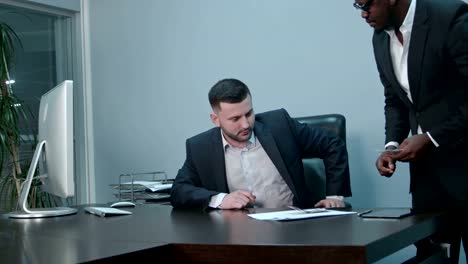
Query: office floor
[407,253]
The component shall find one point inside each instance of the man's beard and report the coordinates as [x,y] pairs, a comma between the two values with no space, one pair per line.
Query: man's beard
[238,138]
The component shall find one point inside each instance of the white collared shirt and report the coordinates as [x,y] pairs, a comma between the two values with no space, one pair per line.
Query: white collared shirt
[399,55]
[251,169]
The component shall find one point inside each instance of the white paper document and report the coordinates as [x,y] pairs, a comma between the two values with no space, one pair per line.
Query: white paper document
[295,214]
[150,185]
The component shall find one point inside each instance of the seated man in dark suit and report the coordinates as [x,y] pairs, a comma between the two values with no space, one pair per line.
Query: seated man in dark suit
[256,160]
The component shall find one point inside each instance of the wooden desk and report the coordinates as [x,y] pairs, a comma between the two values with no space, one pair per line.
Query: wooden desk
[166,235]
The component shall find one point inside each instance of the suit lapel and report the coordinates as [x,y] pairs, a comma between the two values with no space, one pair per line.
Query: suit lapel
[417,49]
[384,56]
[219,163]
[269,145]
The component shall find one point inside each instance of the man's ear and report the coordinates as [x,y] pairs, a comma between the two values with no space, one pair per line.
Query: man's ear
[214,119]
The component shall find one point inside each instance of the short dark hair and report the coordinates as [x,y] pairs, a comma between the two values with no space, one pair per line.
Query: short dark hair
[227,91]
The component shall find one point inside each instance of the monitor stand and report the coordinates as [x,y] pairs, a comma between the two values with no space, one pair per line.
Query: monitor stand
[26,212]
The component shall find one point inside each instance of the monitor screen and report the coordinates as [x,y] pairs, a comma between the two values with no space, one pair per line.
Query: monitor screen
[54,153]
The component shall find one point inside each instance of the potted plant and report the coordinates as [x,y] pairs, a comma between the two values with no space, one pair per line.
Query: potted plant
[13,123]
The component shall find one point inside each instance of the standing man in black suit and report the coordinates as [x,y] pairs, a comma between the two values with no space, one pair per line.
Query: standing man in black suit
[421,50]
[256,160]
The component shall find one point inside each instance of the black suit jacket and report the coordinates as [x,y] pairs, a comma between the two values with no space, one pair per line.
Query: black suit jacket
[284,140]
[438,79]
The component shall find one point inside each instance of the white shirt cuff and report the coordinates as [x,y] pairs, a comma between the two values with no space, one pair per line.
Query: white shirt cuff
[337,197]
[392,143]
[216,200]
[432,139]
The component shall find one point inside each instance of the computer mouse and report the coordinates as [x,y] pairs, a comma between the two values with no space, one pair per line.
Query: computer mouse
[123,204]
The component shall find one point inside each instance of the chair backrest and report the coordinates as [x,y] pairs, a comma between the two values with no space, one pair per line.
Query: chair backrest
[314,170]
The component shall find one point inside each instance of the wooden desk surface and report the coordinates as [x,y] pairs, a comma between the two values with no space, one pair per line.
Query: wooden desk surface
[165,234]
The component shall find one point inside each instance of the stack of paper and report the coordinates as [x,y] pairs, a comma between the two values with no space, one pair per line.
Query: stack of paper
[153,186]
[143,190]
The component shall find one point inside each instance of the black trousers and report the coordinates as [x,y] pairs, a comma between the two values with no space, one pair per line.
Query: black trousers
[429,195]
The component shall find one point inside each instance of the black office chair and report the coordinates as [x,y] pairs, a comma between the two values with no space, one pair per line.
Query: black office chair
[314,169]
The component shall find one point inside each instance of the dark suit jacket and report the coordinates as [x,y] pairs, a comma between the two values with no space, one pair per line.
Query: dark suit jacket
[438,78]
[285,141]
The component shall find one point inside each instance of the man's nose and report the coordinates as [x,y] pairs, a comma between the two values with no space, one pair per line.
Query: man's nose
[245,122]
[364,14]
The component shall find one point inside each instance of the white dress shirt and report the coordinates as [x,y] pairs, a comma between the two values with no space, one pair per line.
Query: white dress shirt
[251,169]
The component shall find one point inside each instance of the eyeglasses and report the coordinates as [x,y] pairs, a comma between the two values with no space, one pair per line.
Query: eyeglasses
[365,7]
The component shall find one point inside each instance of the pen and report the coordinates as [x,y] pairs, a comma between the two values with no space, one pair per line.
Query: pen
[317,210]
[297,209]
[364,212]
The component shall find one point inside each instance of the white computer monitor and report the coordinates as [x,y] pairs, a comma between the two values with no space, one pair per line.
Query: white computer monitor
[54,153]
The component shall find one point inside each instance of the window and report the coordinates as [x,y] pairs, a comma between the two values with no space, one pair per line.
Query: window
[44,60]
